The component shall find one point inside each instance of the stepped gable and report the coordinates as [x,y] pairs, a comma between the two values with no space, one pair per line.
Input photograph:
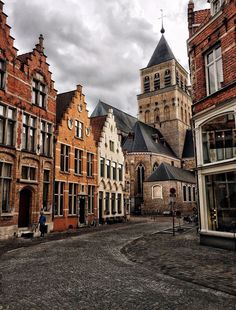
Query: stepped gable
[63,102]
[124,121]
[166,172]
[161,54]
[188,150]
[97,124]
[145,138]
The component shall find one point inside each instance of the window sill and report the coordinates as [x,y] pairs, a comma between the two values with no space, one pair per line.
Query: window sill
[78,138]
[58,216]
[78,174]
[28,181]
[8,146]
[10,214]
[65,172]
[72,215]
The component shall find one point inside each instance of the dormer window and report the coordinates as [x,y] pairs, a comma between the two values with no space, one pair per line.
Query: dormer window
[167,78]
[157,81]
[146,84]
[215,6]
[39,91]
[2,73]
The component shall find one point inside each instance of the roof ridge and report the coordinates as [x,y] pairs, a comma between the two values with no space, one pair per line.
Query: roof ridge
[66,92]
[117,109]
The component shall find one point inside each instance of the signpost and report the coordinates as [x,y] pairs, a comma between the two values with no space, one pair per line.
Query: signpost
[172,203]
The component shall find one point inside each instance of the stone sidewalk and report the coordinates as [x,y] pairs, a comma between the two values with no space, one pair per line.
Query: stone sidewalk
[182,257]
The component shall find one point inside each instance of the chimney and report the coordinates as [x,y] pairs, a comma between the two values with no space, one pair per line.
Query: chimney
[190,17]
[39,46]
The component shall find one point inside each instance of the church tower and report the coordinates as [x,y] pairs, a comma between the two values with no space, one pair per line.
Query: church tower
[165,102]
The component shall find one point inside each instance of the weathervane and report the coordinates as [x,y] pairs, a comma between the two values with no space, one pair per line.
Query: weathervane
[162,18]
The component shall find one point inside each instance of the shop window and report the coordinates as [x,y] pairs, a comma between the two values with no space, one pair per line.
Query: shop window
[219,139]
[5,187]
[7,125]
[59,199]
[214,70]
[221,201]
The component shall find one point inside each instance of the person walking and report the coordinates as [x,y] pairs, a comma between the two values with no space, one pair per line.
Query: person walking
[42,223]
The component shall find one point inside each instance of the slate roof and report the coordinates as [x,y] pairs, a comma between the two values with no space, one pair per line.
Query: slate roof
[97,124]
[166,172]
[63,101]
[145,138]
[188,150]
[124,121]
[161,54]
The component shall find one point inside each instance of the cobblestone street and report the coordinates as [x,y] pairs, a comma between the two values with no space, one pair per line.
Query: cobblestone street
[126,267]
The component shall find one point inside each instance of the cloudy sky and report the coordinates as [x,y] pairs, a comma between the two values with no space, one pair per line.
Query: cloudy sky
[100,44]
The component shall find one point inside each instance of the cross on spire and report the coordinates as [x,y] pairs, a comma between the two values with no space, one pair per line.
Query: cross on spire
[162,18]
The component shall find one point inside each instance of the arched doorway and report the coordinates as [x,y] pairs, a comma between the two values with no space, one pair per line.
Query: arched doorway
[24,208]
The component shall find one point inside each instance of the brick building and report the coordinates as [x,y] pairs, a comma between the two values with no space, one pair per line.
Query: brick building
[111,177]
[75,193]
[27,118]
[212,58]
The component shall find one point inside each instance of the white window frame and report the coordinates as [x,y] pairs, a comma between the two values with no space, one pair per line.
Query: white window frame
[215,9]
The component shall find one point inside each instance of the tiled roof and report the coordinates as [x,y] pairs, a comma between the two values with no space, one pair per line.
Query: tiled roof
[145,138]
[63,101]
[124,121]
[166,172]
[23,58]
[188,150]
[161,54]
[97,124]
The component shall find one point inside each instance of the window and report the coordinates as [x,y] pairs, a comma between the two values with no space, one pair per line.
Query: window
[73,190]
[214,70]
[46,138]
[28,173]
[120,172]
[184,193]
[113,203]
[157,81]
[5,186]
[189,193]
[155,166]
[157,191]
[147,116]
[119,200]
[215,6]
[221,200]
[167,113]
[39,93]
[108,164]
[2,73]
[78,162]
[7,125]
[89,164]
[58,199]
[64,163]
[146,84]
[107,203]
[219,139]
[140,178]
[111,143]
[79,129]
[181,83]
[177,78]
[102,167]
[29,133]
[167,78]
[46,186]
[91,190]
[114,174]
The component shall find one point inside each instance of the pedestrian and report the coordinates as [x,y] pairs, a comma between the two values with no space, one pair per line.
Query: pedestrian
[42,223]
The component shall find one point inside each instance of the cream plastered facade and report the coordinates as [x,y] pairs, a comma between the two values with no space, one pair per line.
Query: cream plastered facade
[111,190]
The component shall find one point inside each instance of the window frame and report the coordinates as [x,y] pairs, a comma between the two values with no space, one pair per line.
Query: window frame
[3,73]
[65,158]
[5,186]
[72,199]
[39,92]
[79,129]
[7,125]
[90,164]
[78,162]
[59,188]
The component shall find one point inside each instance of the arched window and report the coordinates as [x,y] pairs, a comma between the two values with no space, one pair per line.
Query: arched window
[167,112]
[146,84]
[140,178]
[157,81]
[157,115]
[167,78]
[157,191]
[219,139]
[147,116]
[155,166]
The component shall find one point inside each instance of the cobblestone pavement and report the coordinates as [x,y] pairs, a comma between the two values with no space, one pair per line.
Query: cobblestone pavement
[90,271]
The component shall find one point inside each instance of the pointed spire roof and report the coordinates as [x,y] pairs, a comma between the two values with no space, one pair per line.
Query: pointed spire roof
[162,52]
